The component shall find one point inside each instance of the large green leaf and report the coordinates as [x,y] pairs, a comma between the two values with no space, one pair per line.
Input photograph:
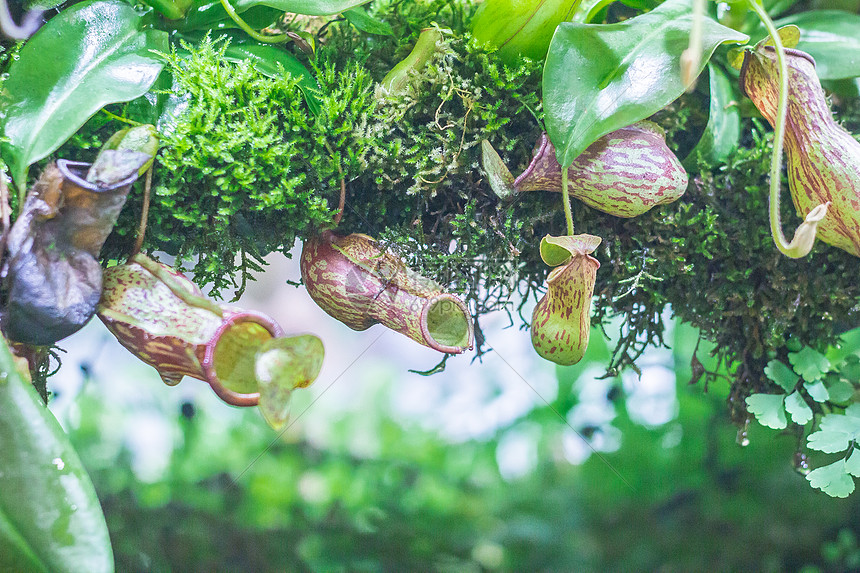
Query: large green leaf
[91,54]
[602,77]
[832,37]
[520,28]
[50,518]
[310,7]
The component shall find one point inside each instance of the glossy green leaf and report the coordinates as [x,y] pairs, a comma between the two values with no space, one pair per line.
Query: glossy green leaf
[847,88]
[158,106]
[832,37]
[172,10]
[851,368]
[50,518]
[266,59]
[769,409]
[723,131]
[781,374]
[89,55]
[359,18]
[207,15]
[809,363]
[309,7]
[800,411]
[602,77]
[520,27]
[41,4]
[776,7]
[641,4]
[832,479]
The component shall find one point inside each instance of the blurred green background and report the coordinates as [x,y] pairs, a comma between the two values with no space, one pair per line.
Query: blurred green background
[629,474]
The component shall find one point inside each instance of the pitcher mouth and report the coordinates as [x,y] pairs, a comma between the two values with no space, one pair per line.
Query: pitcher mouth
[209,370]
[747,55]
[75,172]
[446,324]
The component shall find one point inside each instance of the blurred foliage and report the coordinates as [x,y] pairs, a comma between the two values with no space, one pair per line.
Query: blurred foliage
[678,496]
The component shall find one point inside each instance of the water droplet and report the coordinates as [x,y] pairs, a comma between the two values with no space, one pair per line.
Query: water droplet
[171,379]
[59,463]
[743,439]
[801,463]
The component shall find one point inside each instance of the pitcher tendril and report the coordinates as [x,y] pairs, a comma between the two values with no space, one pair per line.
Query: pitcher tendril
[565,197]
[800,245]
[144,211]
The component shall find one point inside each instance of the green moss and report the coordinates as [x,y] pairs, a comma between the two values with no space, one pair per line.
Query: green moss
[248,169]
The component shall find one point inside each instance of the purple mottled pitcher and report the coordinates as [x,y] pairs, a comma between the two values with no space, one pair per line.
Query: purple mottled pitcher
[358,282]
[179,339]
[624,173]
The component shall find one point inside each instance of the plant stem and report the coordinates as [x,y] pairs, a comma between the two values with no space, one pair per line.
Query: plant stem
[144,212]
[120,118]
[778,135]
[5,214]
[251,31]
[565,197]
